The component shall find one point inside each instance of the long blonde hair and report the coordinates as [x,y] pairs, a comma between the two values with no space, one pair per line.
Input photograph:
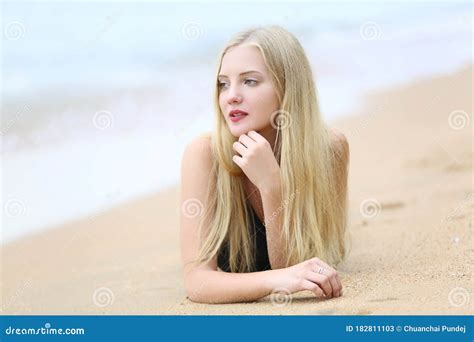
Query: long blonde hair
[314,210]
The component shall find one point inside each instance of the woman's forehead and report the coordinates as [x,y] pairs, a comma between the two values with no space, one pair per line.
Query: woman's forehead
[242,58]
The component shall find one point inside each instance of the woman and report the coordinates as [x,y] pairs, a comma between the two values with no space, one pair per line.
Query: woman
[269,184]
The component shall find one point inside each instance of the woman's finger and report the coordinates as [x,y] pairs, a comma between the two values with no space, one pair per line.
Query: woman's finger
[238,160]
[257,137]
[322,281]
[327,267]
[313,287]
[338,279]
[246,141]
[334,284]
[241,149]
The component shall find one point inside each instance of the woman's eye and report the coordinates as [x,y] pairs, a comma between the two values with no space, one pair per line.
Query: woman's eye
[222,84]
[247,81]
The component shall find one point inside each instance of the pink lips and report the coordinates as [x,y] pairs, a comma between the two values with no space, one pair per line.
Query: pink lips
[237,115]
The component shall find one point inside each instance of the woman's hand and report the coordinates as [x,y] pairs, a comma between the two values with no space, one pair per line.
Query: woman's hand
[257,161]
[313,275]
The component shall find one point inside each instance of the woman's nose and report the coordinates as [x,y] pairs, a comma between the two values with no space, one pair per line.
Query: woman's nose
[234,96]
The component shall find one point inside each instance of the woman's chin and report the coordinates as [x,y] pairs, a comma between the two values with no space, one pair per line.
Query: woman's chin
[237,131]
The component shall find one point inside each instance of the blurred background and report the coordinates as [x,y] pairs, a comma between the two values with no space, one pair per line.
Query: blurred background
[98,99]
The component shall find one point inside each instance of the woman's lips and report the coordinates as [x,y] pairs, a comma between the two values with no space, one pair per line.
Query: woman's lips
[237,117]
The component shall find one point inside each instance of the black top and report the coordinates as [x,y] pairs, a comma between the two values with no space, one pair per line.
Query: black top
[257,230]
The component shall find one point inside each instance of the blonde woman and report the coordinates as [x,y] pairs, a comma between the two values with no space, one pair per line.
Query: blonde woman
[263,197]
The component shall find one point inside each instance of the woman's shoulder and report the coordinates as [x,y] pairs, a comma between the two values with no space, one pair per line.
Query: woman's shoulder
[199,150]
[201,141]
[339,144]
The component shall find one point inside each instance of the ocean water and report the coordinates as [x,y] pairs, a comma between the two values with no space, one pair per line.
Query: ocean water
[100,98]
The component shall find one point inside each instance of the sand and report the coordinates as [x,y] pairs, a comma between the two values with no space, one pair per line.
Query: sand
[413,254]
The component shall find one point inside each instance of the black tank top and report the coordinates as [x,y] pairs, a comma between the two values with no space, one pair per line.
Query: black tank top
[257,229]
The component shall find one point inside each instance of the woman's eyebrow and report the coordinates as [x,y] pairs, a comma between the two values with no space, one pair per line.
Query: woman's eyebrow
[243,73]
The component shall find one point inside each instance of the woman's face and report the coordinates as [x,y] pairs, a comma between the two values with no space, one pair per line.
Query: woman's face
[245,85]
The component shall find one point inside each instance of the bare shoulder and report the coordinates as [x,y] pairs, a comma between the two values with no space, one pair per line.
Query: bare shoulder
[340,144]
[198,151]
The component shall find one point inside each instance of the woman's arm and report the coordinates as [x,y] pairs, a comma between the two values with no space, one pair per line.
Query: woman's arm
[205,283]
[208,285]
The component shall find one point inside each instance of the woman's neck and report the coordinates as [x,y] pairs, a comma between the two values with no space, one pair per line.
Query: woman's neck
[269,133]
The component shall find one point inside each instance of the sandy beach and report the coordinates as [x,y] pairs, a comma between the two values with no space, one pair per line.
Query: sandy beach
[411,205]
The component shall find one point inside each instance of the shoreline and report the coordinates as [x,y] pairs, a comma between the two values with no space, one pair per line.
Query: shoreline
[408,259]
